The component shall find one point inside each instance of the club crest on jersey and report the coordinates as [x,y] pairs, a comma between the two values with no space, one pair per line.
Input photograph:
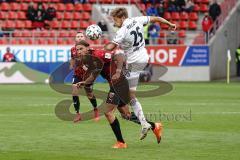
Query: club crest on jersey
[111,95]
[107,56]
[84,67]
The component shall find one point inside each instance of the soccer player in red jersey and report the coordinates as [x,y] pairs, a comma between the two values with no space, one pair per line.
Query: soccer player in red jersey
[8,56]
[78,76]
[115,98]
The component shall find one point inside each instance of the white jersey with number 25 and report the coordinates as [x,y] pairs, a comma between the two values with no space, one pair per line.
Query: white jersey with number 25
[130,38]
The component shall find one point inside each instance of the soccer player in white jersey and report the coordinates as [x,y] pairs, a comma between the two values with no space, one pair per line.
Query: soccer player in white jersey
[129,38]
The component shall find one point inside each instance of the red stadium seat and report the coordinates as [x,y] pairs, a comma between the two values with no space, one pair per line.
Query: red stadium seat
[72,33]
[65,24]
[86,16]
[197,1]
[60,7]
[175,16]
[205,1]
[55,24]
[51,41]
[63,34]
[70,41]
[21,15]
[183,25]
[77,15]
[92,1]
[5,6]
[193,16]
[184,16]
[44,34]
[3,41]
[192,25]
[142,7]
[20,24]
[196,8]
[182,34]
[60,41]
[203,8]
[9,24]
[87,7]
[21,41]
[69,7]
[181,41]
[28,24]
[162,34]
[59,15]
[14,6]
[29,41]
[17,33]
[26,33]
[84,24]
[23,6]
[164,26]
[68,15]
[74,24]
[12,15]
[167,16]
[41,41]
[161,41]
[106,1]
[3,15]
[78,7]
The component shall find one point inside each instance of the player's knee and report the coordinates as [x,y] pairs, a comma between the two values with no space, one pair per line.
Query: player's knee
[90,95]
[108,115]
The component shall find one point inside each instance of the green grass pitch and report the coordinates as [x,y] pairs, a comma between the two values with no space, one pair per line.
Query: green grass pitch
[29,129]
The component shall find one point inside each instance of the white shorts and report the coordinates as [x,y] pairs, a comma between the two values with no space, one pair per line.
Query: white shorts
[134,70]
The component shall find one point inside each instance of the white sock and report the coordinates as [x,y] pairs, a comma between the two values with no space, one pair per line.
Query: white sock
[137,109]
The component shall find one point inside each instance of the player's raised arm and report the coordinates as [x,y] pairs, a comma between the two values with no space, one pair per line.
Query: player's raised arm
[162,20]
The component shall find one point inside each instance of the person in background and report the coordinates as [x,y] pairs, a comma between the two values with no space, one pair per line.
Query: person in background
[160,9]
[154,30]
[152,11]
[50,13]
[214,10]
[238,60]
[189,6]
[207,23]
[172,38]
[146,34]
[172,6]
[181,5]
[8,56]
[31,12]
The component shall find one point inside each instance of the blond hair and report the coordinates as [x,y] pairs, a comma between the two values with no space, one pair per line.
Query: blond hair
[119,12]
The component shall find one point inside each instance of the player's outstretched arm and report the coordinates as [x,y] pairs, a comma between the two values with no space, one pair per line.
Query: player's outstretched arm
[162,20]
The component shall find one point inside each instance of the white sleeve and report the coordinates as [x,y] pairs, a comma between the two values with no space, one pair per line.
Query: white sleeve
[142,19]
[119,36]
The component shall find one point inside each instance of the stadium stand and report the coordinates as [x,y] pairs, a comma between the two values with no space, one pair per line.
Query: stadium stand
[72,17]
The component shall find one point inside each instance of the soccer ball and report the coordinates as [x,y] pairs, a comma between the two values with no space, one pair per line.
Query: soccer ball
[93,32]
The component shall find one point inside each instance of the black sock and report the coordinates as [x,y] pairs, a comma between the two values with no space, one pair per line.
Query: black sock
[93,100]
[76,103]
[117,130]
[134,119]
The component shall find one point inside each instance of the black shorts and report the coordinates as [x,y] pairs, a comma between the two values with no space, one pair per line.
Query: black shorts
[88,87]
[115,99]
